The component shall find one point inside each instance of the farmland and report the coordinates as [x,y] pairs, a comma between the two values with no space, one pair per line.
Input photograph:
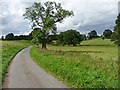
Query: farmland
[93,64]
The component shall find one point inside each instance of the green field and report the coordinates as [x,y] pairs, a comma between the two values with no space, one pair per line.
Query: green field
[91,65]
[98,42]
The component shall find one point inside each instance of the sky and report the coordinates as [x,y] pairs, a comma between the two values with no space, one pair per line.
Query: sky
[88,15]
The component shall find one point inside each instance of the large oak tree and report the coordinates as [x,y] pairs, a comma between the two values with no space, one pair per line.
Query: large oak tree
[44,18]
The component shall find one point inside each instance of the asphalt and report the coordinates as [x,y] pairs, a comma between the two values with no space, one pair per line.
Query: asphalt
[23,72]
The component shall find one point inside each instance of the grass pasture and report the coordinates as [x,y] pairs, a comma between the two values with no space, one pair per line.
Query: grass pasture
[98,42]
[85,66]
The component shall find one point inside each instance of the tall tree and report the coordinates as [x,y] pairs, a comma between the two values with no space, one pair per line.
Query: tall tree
[116,34]
[107,33]
[45,18]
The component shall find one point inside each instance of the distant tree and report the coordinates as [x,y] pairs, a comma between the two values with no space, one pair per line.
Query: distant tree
[116,34]
[107,33]
[2,37]
[70,37]
[114,37]
[30,36]
[16,38]
[60,38]
[9,36]
[22,37]
[45,18]
[92,34]
[83,37]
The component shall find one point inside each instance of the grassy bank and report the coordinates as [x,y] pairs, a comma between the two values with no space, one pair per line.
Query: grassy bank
[9,50]
[98,42]
[82,66]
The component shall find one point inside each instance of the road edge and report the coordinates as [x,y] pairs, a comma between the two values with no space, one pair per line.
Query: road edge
[5,79]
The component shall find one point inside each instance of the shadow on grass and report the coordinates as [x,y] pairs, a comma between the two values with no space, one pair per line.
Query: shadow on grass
[84,51]
[96,45]
[60,51]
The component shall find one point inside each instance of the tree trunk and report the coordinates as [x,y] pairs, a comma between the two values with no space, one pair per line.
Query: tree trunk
[44,44]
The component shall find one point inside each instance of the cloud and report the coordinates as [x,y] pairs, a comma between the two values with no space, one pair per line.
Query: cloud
[91,15]
[12,19]
[88,15]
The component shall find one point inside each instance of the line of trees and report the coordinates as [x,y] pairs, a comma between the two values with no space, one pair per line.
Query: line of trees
[11,36]
[69,37]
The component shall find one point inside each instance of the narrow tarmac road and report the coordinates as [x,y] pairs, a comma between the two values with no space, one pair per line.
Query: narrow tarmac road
[23,72]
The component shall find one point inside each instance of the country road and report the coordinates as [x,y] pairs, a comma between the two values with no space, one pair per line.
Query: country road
[23,72]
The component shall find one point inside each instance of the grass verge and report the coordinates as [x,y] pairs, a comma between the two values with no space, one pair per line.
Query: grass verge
[9,50]
[78,69]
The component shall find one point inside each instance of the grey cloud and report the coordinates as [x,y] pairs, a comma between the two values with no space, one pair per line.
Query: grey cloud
[89,15]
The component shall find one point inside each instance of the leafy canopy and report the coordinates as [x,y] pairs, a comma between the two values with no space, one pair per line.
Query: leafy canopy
[45,17]
[9,36]
[70,37]
[107,33]
[116,34]
[92,34]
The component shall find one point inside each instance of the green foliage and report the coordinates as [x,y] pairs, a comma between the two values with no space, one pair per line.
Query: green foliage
[78,69]
[45,18]
[9,36]
[103,37]
[114,37]
[60,38]
[92,34]
[116,34]
[83,37]
[70,37]
[107,33]
[38,36]
[50,38]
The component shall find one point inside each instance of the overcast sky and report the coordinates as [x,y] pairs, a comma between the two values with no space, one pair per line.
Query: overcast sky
[88,15]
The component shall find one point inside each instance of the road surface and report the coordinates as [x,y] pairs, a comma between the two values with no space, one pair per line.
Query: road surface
[23,72]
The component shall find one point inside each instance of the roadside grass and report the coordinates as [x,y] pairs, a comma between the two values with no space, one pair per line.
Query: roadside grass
[9,50]
[86,66]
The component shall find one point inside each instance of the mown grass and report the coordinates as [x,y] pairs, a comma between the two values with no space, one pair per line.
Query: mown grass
[88,66]
[9,50]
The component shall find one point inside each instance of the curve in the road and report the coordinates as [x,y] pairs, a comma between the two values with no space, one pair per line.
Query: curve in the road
[23,72]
